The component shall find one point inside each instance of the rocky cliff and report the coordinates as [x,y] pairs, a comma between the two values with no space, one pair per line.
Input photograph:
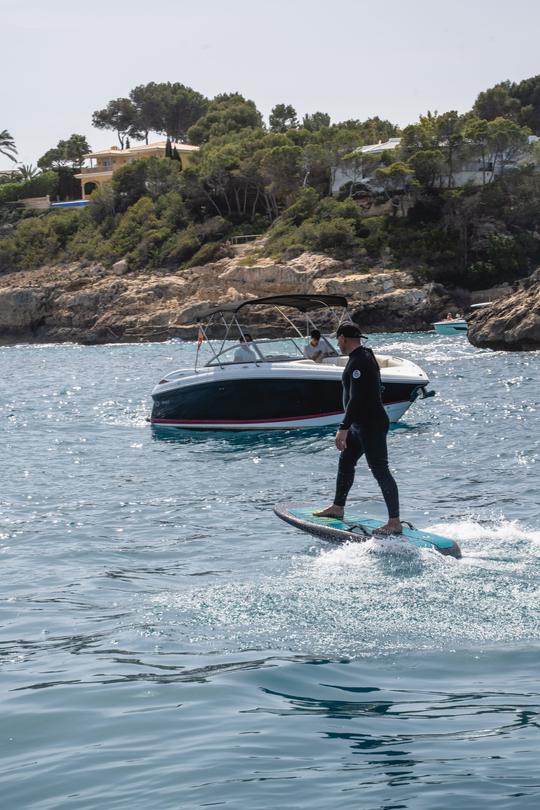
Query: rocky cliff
[512,322]
[89,303]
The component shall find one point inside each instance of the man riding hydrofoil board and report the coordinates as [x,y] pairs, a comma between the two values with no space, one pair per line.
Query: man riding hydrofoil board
[363,429]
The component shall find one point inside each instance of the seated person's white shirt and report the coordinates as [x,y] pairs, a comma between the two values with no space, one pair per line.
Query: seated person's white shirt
[310,351]
[245,355]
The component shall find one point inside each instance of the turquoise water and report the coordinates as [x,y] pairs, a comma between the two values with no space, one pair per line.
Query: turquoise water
[166,642]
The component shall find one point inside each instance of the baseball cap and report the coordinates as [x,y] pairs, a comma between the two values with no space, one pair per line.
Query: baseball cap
[349,330]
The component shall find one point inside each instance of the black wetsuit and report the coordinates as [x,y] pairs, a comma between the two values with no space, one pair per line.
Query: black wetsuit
[367,424]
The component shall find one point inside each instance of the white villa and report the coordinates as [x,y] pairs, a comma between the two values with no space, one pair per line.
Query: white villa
[346,172]
[469,172]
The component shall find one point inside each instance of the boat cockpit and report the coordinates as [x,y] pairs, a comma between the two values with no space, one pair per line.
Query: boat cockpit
[271,351]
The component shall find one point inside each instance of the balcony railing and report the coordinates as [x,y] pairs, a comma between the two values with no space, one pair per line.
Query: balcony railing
[96,169]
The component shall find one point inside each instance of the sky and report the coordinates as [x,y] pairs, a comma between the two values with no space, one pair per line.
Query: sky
[63,59]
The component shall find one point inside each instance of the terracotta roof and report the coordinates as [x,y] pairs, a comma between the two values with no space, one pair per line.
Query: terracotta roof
[134,150]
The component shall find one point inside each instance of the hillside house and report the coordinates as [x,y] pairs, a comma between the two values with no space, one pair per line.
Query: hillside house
[472,171]
[104,163]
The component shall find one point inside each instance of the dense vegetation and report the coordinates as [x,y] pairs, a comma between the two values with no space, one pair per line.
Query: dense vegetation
[250,178]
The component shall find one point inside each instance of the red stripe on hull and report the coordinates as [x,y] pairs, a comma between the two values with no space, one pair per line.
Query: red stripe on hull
[254,421]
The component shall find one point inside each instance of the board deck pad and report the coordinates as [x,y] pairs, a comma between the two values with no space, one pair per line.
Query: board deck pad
[358,528]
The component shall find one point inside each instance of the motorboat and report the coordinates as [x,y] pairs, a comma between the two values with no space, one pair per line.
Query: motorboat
[269,384]
[456,326]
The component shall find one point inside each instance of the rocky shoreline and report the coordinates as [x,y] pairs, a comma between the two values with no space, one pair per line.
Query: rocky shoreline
[511,323]
[88,303]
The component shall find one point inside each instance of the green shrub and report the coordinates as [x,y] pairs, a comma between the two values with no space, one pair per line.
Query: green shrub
[8,255]
[250,259]
[147,253]
[213,229]
[482,274]
[45,183]
[207,253]
[32,243]
[331,208]
[429,244]
[377,236]
[336,234]
[88,243]
[10,192]
[40,186]
[65,225]
[138,220]
[172,211]
[180,247]
[102,204]
[328,225]
[259,224]
[505,258]
[303,208]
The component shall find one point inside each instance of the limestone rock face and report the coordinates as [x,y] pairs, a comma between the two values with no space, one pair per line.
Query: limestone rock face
[270,279]
[22,309]
[355,285]
[316,263]
[512,322]
[401,310]
[89,303]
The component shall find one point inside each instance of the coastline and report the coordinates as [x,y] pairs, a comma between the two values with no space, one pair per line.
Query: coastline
[91,304]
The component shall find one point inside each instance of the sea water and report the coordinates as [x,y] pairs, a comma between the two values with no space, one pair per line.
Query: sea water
[167,642]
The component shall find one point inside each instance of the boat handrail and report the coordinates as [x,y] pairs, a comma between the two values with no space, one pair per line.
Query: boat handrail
[230,323]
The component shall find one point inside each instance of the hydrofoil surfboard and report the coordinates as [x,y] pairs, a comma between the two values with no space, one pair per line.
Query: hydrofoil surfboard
[358,529]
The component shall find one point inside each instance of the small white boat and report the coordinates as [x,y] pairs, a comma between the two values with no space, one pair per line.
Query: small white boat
[457,326]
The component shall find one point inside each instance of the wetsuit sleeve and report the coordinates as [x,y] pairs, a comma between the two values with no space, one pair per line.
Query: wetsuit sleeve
[357,383]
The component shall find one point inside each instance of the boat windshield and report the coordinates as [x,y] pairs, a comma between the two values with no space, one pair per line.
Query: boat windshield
[260,351]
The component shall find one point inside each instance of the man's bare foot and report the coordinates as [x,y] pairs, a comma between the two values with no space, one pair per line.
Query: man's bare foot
[331,512]
[392,527]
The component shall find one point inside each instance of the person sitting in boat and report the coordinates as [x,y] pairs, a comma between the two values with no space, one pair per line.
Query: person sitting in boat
[449,317]
[313,350]
[245,353]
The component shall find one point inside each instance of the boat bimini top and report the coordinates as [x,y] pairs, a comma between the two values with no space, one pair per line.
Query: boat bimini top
[304,303]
